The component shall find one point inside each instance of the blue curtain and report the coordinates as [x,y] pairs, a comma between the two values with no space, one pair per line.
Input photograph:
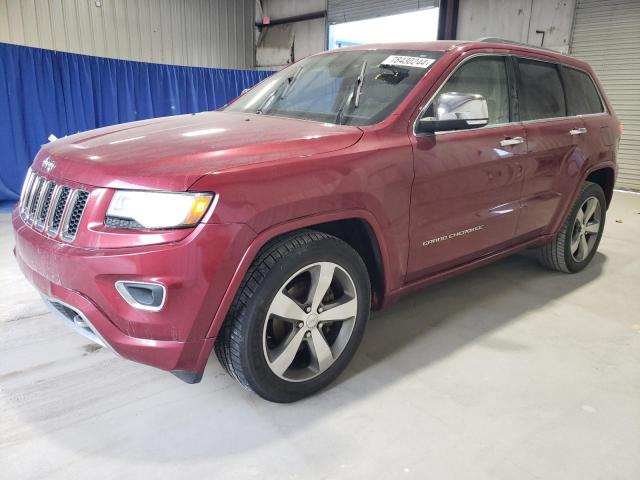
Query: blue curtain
[44,92]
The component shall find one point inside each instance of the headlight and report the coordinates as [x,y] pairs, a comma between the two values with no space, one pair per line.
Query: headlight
[156,210]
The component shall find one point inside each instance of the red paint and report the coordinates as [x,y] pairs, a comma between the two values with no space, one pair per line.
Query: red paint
[462,180]
[274,175]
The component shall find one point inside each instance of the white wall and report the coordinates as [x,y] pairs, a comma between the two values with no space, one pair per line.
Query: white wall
[518,20]
[207,33]
[416,26]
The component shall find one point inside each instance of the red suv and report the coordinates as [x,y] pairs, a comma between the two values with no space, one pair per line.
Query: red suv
[269,229]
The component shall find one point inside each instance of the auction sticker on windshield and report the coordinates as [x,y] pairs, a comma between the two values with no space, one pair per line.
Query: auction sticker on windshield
[417,62]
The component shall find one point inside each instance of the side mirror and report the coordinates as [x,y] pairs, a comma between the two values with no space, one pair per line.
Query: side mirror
[455,111]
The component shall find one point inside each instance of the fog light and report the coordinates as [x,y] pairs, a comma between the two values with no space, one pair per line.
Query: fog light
[143,295]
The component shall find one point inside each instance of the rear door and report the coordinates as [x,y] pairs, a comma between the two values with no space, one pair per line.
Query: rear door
[600,132]
[555,144]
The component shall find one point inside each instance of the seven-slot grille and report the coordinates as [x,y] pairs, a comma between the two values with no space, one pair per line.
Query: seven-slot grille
[52,208]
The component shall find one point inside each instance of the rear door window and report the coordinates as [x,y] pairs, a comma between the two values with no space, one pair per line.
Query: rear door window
[582,95]
[540,93]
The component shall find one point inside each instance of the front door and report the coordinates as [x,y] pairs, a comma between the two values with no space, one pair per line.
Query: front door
[465,199]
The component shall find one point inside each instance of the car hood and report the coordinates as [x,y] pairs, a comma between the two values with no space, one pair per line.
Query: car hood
[171,153]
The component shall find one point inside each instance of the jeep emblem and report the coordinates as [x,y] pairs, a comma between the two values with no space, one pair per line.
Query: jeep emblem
[48,165]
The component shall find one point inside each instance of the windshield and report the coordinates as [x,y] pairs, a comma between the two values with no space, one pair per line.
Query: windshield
[348,88]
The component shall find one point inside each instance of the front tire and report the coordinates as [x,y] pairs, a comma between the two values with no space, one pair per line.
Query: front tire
[298,317]
[576,243]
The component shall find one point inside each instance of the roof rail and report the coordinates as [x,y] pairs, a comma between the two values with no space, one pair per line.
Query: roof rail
[512,42]
[502,40]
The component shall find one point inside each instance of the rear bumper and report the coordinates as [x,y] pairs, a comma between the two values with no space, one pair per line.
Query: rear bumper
[195,272]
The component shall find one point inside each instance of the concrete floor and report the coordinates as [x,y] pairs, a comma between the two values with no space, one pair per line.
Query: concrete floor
[507,372]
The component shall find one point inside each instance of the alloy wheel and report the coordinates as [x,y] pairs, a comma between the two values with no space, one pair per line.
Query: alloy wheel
[310,321]
[585,229]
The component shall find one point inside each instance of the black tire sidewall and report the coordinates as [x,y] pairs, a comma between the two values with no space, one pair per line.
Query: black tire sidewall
[258,374]
[591,190]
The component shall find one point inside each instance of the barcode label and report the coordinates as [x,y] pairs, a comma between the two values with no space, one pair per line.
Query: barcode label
[416,62]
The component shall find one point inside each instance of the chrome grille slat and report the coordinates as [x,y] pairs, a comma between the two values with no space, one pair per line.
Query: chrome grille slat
[67,214]
[74,214]
[56,209]
[43,208]
[56,217]
[25,188]
[35,196]
[39,202]
[27,197]
[52,208]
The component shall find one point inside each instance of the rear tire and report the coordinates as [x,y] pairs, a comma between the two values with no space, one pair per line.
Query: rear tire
[576,243]
[297,318]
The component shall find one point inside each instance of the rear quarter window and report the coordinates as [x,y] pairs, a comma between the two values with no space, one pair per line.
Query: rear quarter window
[582,95]
[540,93]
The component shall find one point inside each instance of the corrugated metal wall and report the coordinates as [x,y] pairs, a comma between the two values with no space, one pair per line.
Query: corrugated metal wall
[340,11]
[277,43]
[203,33]
[606,33]
[518,20]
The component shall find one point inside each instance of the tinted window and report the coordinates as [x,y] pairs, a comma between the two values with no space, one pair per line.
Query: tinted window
[540,91]
[582,96]
[486,76]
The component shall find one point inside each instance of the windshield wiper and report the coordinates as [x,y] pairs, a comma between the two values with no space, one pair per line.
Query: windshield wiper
[292,80]
[355,93]
[359,83]
[268,99]
[287,88]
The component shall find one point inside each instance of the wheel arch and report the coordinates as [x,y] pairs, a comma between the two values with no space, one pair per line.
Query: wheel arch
[360,236]
[605,173]
[605,177]
[358,228]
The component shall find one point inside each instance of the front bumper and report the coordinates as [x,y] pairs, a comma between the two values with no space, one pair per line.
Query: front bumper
[195,272]
[75,320]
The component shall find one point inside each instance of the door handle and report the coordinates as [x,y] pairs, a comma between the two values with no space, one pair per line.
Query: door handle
[511,141]
[578,131]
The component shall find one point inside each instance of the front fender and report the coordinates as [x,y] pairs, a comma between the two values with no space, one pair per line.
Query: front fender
[270,233]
